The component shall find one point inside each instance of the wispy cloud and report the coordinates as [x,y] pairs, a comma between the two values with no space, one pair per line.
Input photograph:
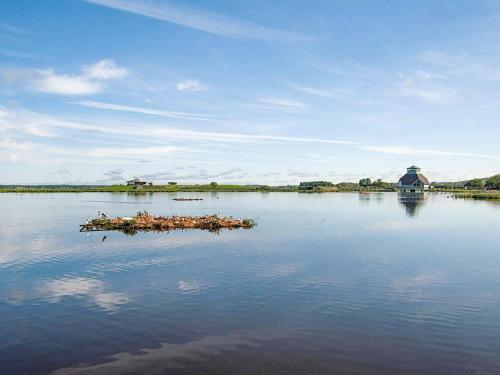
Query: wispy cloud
[105,69]
[422,85]
[431,95]
[302,174]
[89,81]
[6,27]
[107,152]
[436,57]
[114,175]
[353,70]
[463,67]
[198,175]
[280,103]
[407,150]
[189,85]
[17,120]
[312,91]
[207,21]
[146,111]
[19,55]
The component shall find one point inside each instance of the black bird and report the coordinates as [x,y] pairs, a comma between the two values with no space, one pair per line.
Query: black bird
[104,238]
[104,215]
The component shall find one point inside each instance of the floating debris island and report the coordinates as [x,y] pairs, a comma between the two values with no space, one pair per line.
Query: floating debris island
[187,199]
[144,221]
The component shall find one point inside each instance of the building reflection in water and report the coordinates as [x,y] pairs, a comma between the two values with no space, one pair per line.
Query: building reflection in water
[411,202]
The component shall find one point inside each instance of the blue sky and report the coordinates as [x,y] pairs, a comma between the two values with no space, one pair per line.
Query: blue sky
[271,92]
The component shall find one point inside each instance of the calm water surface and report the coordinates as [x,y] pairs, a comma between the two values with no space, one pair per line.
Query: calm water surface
[325,284]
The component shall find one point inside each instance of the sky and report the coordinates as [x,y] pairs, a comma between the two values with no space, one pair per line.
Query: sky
[271,92]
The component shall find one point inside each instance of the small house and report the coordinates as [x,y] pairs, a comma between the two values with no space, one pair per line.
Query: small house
[136,182]
[413,181]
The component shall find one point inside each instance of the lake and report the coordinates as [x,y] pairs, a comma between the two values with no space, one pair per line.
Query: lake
[334,283]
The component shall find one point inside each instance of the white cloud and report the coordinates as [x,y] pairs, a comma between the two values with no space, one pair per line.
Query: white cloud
[64,84]
[189,85]
[207,21]
[37,131]
[105,69]
[91,80]
[406,150]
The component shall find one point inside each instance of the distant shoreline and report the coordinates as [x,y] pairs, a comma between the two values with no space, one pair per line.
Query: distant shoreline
[141,189]
[36,189]
[171,188]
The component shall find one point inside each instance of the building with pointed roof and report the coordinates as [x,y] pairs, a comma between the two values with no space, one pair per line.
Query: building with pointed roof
[413,181]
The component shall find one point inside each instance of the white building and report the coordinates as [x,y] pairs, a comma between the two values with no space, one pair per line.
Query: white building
[136,182]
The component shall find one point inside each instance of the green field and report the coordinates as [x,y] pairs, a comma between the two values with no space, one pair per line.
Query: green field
[142,189]
[181,188]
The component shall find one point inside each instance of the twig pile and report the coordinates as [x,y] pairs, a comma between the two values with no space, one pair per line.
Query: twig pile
[143,221]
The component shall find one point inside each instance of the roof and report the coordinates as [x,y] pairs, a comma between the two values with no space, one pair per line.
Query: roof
[409,179]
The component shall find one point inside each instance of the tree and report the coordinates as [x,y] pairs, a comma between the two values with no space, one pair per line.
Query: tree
[365,182]
[476,183]
[493,182]
[172,183]
[381,184]
[213,184]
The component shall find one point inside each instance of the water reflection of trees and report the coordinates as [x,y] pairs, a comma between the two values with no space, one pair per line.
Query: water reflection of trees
[366,197]
[411,202]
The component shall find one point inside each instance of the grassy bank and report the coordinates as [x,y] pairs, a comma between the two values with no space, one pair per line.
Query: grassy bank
[478,194]
[181,188]
[143,189]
